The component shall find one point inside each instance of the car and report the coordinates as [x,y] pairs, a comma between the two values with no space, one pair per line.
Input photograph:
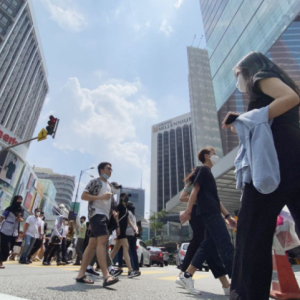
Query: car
[166,255]
[157,256]
[144,256]
[181,255]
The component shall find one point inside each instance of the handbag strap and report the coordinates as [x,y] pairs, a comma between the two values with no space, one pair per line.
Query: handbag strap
[123,216]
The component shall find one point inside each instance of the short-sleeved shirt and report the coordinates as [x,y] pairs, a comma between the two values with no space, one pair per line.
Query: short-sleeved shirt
[207,199]
[100,207]
[33,228]
[81,235]
[286,134]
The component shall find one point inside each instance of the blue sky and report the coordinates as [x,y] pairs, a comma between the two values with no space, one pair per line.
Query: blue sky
[114,69]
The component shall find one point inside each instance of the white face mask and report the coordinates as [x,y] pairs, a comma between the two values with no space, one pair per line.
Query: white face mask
[38,214]
[214,159]
[241,83]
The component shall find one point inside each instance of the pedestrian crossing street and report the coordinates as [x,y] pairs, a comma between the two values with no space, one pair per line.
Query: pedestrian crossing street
[156,272]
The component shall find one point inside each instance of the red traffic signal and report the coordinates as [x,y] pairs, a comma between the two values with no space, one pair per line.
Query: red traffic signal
[51,125]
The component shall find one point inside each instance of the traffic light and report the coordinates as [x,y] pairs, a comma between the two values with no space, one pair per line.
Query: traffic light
[52,124]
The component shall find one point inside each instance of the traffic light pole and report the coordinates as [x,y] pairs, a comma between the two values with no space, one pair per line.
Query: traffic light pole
[15,145]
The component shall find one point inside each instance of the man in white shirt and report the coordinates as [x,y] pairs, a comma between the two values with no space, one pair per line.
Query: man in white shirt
[99,195]
[32,230]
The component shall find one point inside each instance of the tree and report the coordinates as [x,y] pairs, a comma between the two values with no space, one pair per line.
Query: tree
[155,220]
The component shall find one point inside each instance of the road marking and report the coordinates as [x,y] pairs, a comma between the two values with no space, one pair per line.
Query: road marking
[8,297]
[173,278]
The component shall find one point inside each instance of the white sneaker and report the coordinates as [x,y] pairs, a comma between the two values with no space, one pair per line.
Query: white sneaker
[189,286]
[226,291]
[179,281]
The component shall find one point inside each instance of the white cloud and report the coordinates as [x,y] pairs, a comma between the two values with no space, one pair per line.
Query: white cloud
[104,121]
[165,28]
[66,16]
[178,3]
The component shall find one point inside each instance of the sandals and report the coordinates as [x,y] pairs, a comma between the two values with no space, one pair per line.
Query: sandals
[84,279]
[111,282]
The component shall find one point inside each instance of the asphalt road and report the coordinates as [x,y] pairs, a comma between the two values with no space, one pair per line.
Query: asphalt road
[36,282]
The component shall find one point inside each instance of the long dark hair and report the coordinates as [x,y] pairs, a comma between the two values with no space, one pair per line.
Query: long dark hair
[131,207]
[190,178]
[255,62]
[15,207]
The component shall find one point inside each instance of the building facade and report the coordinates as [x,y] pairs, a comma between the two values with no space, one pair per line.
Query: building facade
[64,184]
[23,89]
[235,28]
[205,123]
[23,75]
[171,159]
[137,198]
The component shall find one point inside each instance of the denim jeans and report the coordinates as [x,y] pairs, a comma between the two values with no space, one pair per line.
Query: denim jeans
[214,262]
[29,242]
[216,242]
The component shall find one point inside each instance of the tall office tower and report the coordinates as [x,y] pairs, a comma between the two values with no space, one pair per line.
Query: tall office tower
[205,122]
[23,75]
[137,198]
[64,184]
[234,28]
[171,159]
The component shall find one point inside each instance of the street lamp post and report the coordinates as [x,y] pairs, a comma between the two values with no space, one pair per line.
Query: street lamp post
[81,172]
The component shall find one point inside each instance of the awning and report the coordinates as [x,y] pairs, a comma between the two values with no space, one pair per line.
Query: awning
[224,175]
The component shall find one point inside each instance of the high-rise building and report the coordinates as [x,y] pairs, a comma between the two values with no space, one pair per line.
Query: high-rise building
[171,159]
[234,28]
[137,198]
[23,89]
[64,185]
[23,75]
[205,123]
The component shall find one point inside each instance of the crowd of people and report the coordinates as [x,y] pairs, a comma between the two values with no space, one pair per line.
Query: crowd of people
[267,172]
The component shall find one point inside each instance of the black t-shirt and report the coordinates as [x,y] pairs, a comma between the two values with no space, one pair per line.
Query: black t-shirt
[207,199]
[286,134]
[123,218]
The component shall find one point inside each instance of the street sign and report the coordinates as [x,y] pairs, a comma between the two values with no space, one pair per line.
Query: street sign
[42,135]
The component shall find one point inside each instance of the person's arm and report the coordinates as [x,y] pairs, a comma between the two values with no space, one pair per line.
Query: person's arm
[1,218]
[55,229]
[184,197]
[131,224]
[25,227]
[192,200]
[227,216]
[285,97]
[87,197]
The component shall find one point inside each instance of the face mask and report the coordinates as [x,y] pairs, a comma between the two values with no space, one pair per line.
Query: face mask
[105,176]
[241,84]
[126,200]
[214,159]
[38,213]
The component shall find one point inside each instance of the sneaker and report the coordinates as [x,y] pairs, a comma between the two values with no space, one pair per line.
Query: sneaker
[115,272]
[92,272]
[45,263]
[226,291]
[60,263]
[133,273]
[189,285]
[179,281]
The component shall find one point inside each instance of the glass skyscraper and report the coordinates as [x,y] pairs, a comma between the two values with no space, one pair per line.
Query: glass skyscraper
[234,28]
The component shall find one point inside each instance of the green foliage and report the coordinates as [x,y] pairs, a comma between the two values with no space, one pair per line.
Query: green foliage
[155,220]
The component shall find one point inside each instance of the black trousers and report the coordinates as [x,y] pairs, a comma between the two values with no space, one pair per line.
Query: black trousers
[50,252]
[64,250]
[6,243]
[214,262]
[37,245]
[252,268]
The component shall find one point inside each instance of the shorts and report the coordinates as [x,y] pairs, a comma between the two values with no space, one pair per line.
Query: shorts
[99,225]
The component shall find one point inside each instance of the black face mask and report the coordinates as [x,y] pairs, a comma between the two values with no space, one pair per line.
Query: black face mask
[126,200]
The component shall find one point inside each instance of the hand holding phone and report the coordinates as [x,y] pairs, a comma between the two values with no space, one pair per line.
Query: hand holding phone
[231,118]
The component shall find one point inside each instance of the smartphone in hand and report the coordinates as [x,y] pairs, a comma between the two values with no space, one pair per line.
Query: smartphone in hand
[231,119]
